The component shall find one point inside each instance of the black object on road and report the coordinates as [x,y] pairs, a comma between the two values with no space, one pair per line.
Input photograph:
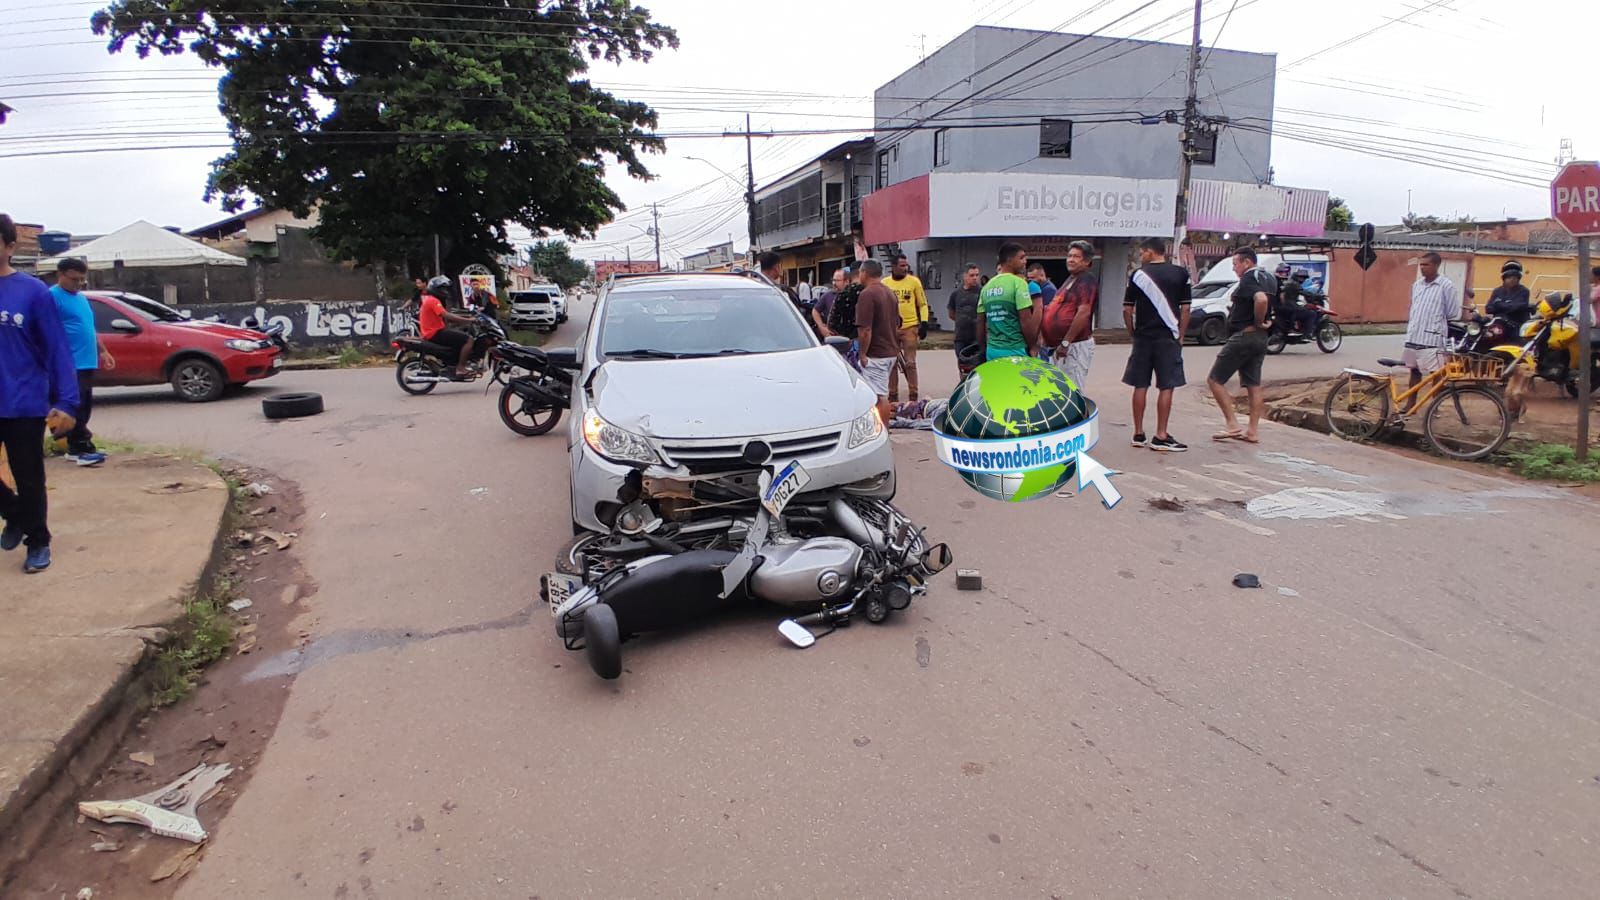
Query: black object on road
[291,406]
[1246,580]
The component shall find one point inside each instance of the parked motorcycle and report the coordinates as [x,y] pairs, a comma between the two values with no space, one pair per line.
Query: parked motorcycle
[678,552]
[537,385]
[1327,334]
[1549,348]
[421,365]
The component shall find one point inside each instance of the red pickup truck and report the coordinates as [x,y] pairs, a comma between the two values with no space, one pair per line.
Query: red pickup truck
[154,344]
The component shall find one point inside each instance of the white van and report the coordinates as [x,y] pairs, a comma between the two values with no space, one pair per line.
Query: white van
[1208,314]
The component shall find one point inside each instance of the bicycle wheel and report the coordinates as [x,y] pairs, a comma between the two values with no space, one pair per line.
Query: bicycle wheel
[1357,406]
[1467,422]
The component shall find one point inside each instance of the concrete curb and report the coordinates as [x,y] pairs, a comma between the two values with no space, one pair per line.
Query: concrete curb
[78,757]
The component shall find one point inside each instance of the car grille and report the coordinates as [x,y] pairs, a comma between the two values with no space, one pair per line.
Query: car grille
[718,456]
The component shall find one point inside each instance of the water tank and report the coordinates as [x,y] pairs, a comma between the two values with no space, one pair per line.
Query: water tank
[54,243]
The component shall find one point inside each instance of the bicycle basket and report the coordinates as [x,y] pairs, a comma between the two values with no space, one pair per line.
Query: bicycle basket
[1473,367]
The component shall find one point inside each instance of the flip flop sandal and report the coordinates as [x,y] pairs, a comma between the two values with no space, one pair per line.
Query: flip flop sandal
[1250,440]
[1228,436]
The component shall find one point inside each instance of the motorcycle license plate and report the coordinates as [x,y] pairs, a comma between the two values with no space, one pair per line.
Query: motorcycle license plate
[790,480]
[560,587]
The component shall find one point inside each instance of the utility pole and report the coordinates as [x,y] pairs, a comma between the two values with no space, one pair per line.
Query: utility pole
[655,229]
[436,271]
[1191,123]
[750,186]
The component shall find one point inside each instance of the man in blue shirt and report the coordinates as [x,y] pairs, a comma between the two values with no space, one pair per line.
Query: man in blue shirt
[36,379]
[88,354]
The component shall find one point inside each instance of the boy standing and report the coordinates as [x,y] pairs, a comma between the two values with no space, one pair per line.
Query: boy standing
[89,354]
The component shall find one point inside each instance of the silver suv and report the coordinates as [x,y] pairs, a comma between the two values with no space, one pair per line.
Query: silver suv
[689,375]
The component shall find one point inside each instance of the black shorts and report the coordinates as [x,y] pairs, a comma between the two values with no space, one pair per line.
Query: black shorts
[1161,357]
[1243,353]
[451,338]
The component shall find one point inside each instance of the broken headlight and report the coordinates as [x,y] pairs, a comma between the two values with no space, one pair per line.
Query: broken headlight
[865,428]
[616,444]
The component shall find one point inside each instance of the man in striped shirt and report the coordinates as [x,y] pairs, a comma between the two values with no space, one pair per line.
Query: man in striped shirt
[1435,302]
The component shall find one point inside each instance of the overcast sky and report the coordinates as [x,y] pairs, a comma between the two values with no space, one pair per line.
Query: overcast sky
[1472,79]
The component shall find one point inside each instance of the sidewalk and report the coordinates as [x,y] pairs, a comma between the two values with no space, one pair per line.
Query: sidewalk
[131,539]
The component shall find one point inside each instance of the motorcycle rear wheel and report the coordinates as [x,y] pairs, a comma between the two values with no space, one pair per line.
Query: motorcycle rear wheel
[1276,341]
[517,416]
[1329,336]
[416,366]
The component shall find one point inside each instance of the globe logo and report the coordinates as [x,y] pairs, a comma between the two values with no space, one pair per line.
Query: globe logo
[1014,430]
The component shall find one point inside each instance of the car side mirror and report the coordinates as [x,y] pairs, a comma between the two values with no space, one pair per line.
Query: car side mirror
[837,341]
[124,325]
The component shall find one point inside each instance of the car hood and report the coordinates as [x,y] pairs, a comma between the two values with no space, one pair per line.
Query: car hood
[221,330]
[734,396]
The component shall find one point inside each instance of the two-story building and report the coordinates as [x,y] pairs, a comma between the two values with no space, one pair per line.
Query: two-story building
[973,147]
[812,215]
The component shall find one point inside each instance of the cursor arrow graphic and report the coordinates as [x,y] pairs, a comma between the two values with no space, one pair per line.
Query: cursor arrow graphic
[1091,471]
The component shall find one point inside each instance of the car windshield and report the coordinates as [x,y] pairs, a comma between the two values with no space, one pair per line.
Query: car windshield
[531,297]
[151,310]
[665,324]
[1208,289]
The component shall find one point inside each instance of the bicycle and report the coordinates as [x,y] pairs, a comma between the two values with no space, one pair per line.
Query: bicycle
[1464,415]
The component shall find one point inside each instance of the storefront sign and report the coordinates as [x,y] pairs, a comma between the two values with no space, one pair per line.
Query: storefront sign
[1021,204]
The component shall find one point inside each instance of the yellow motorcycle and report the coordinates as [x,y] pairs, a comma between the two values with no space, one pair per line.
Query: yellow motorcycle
[1549,348]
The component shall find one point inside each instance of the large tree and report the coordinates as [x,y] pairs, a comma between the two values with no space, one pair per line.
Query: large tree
[554,260]
[404,120]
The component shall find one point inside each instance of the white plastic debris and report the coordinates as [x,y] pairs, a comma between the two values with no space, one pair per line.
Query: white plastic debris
[258,489]
[168,811]
[241,604]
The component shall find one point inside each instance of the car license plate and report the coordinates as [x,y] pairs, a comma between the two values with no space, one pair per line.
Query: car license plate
[560,587]
[277,362]
[790,481]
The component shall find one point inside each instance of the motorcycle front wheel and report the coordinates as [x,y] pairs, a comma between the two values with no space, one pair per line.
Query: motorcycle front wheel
[411,368]
[521,416]
[1329,336]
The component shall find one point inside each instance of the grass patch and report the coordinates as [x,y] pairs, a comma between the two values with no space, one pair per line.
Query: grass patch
[1553,462]
[202,636]
[527,337]
[349,357]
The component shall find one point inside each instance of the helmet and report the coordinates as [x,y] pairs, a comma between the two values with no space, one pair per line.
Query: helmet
[1282,271]
[1512,267]
[1301,274]
[970,355]
[438,285]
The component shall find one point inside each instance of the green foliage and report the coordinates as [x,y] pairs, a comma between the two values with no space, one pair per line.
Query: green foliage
[554,260]
[1414,222]
[350,357]
[1340,218]
[1554,462]
[201,638]
[401,120]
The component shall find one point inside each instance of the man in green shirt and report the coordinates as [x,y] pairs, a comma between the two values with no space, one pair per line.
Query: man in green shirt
[1008,319]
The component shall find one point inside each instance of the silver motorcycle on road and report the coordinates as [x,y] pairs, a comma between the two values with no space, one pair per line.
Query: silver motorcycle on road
[680,551]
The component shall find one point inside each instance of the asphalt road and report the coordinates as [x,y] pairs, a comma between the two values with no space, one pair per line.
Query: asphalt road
[1407,709]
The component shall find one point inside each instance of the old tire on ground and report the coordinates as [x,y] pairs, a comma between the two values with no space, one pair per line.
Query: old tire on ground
[602,641]
[1214,330]
[291,406]
[197,380]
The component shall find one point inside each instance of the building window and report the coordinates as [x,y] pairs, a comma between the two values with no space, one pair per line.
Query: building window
[930,268]
[1055,138]
[1205,148]
[883,168]
[941,147]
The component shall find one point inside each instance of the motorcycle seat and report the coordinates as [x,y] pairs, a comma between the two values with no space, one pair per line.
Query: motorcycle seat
[428,348]
[1391,362]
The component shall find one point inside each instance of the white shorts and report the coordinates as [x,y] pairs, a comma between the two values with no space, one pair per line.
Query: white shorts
[1428,361]
[1074,362]
[876,372]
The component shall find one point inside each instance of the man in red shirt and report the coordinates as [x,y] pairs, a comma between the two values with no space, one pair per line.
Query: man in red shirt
[432,321]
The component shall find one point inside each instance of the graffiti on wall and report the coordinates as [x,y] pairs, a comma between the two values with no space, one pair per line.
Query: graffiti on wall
[312,323]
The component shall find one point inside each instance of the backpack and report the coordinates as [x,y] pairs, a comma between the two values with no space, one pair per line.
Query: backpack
[842,318]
